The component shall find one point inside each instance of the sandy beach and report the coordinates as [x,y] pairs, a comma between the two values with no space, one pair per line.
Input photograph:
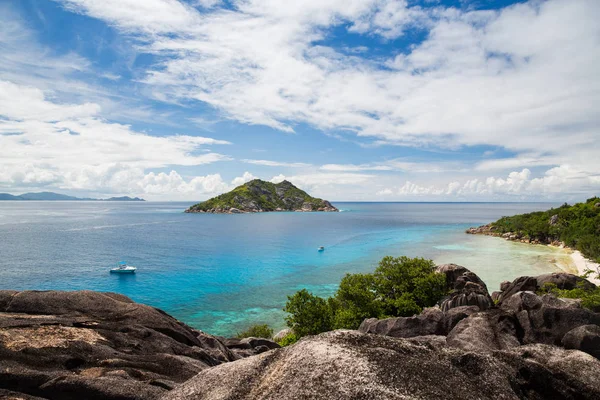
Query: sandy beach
[583,264]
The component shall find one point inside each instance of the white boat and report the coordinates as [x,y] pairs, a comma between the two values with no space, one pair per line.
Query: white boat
[321,248]
[123,268]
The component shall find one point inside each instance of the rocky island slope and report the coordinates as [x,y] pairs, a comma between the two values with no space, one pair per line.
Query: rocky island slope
[513,344]
[261,196]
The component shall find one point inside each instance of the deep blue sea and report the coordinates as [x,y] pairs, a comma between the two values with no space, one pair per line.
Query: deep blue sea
[221,273]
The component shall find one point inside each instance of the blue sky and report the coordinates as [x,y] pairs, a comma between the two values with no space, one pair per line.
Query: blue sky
[379,100]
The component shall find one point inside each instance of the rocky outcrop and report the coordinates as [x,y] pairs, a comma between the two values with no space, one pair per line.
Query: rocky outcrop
[281,334]
[247,347]
[492,230]
[262,196]
[521,317]
[562,280]
[89,345]
[352,365]
[546,319]
[432,321]
[485,331]
[585,338]
[466,288]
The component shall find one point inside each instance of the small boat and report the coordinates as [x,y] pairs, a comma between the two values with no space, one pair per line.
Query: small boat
[123,268]
[321,248]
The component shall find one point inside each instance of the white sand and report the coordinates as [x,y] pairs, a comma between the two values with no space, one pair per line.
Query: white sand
[583,264]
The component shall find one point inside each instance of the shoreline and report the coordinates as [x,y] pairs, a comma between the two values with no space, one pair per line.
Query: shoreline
[580,262]
[584,264]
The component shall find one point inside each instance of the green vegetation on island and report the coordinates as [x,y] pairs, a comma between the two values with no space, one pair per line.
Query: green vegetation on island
[577,226]
[261,196]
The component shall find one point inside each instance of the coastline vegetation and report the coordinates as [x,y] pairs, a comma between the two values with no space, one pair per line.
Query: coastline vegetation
[399,286]
[577,226]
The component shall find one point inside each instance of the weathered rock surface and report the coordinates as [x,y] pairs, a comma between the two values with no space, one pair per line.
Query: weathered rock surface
[247,347]
[352,365]
[521,317]
[281,334]
[485,331]
[432,321]
[562,280]
[585,338]
[89,345]
[467,289]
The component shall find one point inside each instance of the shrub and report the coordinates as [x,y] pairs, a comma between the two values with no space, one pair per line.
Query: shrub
[258,331]
[399,286]
[288,339]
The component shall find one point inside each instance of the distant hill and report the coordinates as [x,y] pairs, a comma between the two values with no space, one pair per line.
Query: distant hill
[51,196]
[125,198]
[48,196]
[262,196]
[6,196]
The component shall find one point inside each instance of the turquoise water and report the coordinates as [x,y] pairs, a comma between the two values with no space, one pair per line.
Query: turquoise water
[221,273]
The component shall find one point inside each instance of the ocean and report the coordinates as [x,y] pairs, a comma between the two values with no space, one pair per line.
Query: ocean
[222,273]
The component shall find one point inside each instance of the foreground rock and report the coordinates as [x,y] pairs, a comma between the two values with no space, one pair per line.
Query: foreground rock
[461,351]
[89,345]
[262,196]
[352,365]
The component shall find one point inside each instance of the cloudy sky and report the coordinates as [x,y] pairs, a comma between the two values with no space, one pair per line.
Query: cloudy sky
[376,100]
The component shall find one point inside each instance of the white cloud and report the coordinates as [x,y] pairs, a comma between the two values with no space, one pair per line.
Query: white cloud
[385,192]
[240,180]
[172,184]
[524,78]
[398,165]
[324,182]
[517,185]
[42,143]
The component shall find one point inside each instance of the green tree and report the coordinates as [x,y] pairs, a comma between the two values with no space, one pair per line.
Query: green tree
[308,314]
[406,285]
[355,300]
[399,286]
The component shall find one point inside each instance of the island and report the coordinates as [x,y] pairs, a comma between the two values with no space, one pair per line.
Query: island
[51,196]
[261,196]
